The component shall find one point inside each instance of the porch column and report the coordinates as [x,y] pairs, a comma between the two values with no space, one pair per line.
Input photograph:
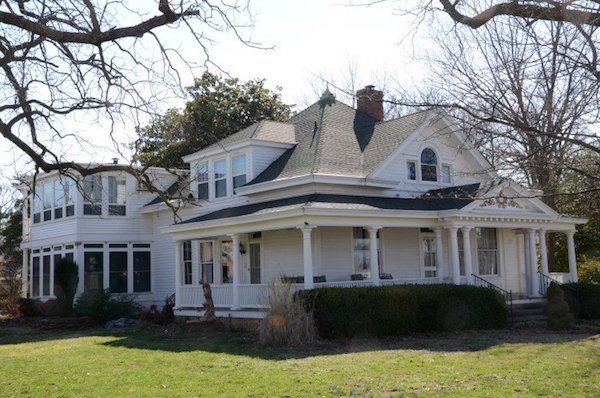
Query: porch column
[535,285]
[572,259]
[307,257]
[466,234]
[235,264]
[439,254]
[543,252]
[373,255]
[178,265]
[24,268]
[454,255]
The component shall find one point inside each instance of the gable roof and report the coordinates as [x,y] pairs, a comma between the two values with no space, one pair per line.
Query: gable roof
[335,201]
[336,139]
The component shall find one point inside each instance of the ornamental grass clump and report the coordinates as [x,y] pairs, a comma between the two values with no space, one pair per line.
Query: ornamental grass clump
[286,323]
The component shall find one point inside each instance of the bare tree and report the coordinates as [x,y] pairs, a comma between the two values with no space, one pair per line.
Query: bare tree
[105,62]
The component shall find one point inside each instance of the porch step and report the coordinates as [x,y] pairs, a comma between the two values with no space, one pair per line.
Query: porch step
[526,310]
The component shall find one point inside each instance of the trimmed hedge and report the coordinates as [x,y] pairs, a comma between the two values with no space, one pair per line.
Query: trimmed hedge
[403,309]
[586,303]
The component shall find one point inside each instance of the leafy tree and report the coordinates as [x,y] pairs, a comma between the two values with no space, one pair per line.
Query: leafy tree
[10,233]
[218,107]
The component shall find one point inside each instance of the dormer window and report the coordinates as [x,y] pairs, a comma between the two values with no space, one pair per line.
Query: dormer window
[203,181]
[220,178]
[238,170]
[411,170]
[428,165]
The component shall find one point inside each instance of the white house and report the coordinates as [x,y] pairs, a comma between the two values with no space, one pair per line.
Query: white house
[335,196]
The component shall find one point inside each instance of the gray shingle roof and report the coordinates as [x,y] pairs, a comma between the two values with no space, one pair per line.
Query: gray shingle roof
[267,130]
[335,202]
[333,138]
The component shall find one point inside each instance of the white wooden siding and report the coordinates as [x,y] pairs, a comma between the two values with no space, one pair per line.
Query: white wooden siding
[401,253]
[263,157]
[282,254]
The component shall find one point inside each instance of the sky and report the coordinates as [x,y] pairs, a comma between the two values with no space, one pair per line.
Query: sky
[309,38]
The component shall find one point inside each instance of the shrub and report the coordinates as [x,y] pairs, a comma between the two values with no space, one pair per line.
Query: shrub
[589,270]
[587,298]
[286,323]
[100,305]
[401,310]
[557,309]
[66,277]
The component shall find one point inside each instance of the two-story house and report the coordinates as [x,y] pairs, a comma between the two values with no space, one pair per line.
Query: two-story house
[335,196]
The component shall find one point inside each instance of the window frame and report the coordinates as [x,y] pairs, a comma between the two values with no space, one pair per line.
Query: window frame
[91,205]
[233,171]
[224,179]
[495,251]
[187,263]
[429,271]
[434,165]
[202,179]
[114,208]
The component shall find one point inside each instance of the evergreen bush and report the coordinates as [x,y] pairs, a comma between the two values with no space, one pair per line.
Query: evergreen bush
[102,306]
[557,309]
[66,278]
[403,309]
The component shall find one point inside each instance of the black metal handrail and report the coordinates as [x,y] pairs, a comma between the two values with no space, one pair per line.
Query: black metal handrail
[506,294]
[546,280]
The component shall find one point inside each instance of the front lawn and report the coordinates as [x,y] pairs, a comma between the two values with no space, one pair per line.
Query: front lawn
[146,363]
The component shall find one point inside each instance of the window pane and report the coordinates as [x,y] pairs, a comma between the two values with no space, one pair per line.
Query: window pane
[92,209]
[69,189]
[46,276]
[47,196]
[141,271]
[220,169]
[35,277]
[206,261]
[203,172]
[487,251]
[203,190]
[446,174]
[428,157]
[118,272]
[117,190]
[238,181]
[411,170]
[220,188]
[59,194]
[92,189]
[93,271]
[187,262]
[238,165]
[428,173]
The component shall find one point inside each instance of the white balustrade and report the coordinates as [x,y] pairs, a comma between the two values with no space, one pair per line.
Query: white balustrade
[191,296]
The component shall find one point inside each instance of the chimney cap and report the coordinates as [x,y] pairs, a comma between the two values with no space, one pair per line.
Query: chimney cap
[370,87]
[115,160]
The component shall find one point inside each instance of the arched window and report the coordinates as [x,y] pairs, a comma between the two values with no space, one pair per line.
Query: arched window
[428,165]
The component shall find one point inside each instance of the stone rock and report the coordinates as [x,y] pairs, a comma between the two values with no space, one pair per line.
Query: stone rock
[121,323]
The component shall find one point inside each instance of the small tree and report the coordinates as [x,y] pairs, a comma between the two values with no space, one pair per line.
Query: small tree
[66,278]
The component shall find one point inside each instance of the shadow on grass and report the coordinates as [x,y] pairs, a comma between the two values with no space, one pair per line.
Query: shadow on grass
[186,338]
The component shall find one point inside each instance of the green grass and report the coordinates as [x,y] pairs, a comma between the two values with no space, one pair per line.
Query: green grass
[207,364]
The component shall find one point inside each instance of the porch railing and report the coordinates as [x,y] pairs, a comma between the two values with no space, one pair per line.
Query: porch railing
[506,294]
[546,280]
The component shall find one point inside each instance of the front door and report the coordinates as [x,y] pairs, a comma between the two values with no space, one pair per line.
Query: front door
[255,263]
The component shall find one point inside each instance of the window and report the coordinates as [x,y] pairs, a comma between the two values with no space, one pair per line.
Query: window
[37,205]
[461,252]
[46,276]
[220,178]
[117,196]
[445,174]
[428,165]
[206,261]
[203,181]
[487,251]
[93,276]
[238,167]
[59,198]
[411,170]
[47,200]
[429,257]
[92,195]
[69,190]
[187,262]
[361,251]
[226,261]
[141,271]
[35,276]
[118,271]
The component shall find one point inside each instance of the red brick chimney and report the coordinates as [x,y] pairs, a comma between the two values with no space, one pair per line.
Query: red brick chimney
[370,101]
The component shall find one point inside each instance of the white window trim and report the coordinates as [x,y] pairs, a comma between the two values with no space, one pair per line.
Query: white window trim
[423,236]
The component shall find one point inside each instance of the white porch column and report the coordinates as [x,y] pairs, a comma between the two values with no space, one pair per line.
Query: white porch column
[307,257]
[543,252]
[439,254]
[533,271]
[235,264]
[466,234]
[572,259]
[24,269]
[454,255]
[373,255]
[178,265]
